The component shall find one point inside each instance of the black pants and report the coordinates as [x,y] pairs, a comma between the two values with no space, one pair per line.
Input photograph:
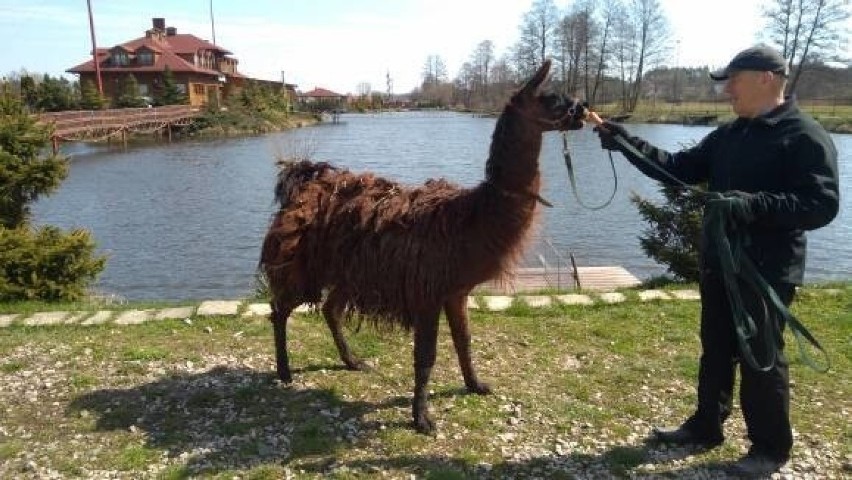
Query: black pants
[764,395]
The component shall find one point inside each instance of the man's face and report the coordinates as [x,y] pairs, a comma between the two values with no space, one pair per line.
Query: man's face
[749,92]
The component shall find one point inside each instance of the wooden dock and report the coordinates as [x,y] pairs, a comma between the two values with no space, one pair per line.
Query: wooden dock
[530,279]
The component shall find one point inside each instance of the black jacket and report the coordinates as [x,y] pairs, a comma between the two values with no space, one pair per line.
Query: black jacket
[785,160]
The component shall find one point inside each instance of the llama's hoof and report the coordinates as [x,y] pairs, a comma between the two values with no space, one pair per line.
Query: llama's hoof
[358,365]
[479,388]
[423,424]
[285,377]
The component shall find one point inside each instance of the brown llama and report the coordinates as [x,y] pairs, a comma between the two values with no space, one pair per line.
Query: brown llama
[400,255]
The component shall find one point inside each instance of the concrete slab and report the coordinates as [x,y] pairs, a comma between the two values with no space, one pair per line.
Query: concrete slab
[613,297]
[76,317]
[537,301]
[174,313]
[133,317]
[575,299]
[46,318]
[257,310]
[471,303]
[686,294]
[303,308]
[218,307]
[6,319]
[497,302]
[99,317]
[648,295]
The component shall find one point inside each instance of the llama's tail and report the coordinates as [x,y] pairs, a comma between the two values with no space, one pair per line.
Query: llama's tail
[293,174]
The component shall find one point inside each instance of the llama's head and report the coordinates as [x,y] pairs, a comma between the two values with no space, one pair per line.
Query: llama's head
[537,101]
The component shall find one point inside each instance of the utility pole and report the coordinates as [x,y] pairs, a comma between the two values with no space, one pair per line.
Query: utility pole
[212,23]
[95,50]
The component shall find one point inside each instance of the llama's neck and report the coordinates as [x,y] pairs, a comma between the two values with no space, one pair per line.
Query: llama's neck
[504,204]
[513,159]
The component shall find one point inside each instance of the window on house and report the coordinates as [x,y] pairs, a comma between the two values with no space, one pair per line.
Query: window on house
[145,58]
[120,58]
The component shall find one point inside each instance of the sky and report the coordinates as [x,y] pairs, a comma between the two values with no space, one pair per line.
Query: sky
[336,44]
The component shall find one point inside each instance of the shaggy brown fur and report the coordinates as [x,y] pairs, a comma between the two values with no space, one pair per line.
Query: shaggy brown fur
[401,254]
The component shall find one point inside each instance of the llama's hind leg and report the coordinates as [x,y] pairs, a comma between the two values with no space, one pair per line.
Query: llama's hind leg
[333,310]
[456,310]
[280,314]
[425,340]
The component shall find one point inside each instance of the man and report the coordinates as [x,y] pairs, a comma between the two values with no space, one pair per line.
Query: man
[776,169]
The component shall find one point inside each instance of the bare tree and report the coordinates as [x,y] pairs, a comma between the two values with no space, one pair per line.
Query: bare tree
[624,53]
[611,10]
[653,42]
[574,46]
[464,85]
[481,61]
[537,36]
[434,70]
[503,80]
[807,32]
[640,43]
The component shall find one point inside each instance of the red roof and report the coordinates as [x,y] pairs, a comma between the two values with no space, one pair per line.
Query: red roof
[178,43]
[168,48]
[321,93]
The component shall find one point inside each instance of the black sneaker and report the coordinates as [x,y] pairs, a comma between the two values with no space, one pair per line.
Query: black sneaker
[756,465]
[684,436]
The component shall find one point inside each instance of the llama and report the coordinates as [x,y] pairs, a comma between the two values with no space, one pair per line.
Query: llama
[400,255]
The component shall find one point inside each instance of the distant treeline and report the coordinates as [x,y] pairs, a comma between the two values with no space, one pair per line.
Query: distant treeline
[820,84]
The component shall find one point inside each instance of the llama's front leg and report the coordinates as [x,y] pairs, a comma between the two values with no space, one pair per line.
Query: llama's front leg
[456,310]
[333,311]
[280,315]
[425,339]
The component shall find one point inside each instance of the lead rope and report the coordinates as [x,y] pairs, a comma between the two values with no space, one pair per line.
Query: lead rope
[566,154]
[737,267]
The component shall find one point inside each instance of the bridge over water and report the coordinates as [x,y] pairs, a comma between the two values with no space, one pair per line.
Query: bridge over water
[97,125]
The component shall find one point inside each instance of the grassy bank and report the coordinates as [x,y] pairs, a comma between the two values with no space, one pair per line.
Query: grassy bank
[575,391]
[233,122]
[834,118]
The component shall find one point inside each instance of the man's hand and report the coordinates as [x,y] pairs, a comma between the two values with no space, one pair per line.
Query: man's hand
[607,132]
[735,205]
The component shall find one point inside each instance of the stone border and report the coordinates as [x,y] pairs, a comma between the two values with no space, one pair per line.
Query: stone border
[246,310]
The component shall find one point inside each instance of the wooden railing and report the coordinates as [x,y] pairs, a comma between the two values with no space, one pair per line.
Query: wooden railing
[95,125]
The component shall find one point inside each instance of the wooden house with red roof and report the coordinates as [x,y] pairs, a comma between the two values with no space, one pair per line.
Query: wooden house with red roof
[322,99]
[203,71]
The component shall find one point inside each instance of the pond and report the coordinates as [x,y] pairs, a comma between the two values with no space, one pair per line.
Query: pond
[185,220]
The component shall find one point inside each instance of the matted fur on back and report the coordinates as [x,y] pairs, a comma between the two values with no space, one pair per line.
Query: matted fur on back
[390,250]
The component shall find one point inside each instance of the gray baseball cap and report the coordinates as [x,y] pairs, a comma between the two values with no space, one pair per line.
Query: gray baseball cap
[759,59]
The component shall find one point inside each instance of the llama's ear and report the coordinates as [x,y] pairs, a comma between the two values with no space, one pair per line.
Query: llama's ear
[539,77]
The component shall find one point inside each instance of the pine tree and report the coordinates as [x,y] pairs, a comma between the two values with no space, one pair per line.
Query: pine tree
[54,95]
[41,263]
[90,98]
[24,176]
[128,93]
[29,92]
[170,94]
[674,232]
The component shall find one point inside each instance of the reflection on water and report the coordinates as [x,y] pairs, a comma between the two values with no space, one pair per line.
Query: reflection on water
[185,221]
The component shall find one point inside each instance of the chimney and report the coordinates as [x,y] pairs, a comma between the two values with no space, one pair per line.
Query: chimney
[171,31]
[159,23]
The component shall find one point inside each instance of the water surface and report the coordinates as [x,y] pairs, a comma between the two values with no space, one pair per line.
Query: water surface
[185,220]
